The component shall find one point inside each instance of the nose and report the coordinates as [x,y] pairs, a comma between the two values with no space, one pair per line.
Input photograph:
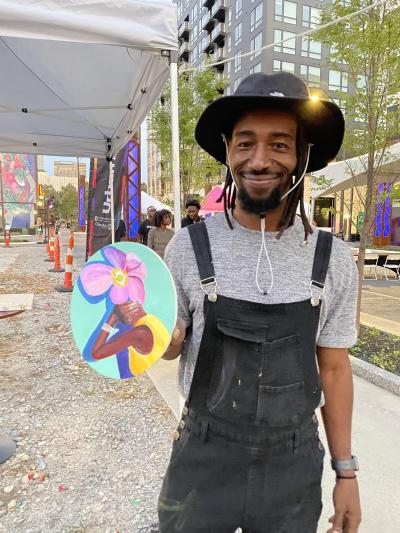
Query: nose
[260,158]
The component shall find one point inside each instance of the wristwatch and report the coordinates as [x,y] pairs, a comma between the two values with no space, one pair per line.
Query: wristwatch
[349,464]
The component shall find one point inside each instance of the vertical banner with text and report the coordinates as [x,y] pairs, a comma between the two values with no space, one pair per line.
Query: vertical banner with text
[99,201]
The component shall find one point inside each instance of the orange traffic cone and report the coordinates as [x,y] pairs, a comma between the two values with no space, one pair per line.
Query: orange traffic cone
[67,287]
[7,238]
[50,246]
[57,254]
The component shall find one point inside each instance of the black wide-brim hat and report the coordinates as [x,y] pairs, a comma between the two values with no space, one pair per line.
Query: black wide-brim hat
[322,120]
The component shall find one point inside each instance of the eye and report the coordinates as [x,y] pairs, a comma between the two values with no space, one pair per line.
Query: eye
[281,146]
[245,144]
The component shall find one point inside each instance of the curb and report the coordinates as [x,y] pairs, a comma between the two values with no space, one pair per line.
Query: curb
[382,378]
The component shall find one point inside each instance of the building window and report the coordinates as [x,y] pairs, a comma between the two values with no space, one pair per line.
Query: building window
[285,11]
[237,64]
[311,16]
[228,67]
[284,66]
[340,103]
[193,13]
[288,47]
[238,33]
[310,48]
[256,68]
[236,83]
[229,42]
[311,75]
[338,81]
[238,7]
[256,17]
[255,44]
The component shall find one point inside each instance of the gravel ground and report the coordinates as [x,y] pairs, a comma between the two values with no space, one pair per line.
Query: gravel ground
[91,451]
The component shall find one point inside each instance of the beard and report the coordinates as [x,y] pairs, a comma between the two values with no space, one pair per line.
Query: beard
[259,206]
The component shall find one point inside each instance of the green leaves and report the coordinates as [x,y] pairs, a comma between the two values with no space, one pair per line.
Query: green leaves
[196,91]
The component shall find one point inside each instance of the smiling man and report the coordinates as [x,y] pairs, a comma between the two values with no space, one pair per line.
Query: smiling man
[266,317]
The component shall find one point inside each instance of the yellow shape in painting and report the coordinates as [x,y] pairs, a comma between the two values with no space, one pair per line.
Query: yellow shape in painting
[119,277]
[139,363]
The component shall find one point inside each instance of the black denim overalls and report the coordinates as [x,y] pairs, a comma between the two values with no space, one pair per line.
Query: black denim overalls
[247,453]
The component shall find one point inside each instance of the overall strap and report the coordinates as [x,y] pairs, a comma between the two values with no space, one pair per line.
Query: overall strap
[320,266]
[202,251]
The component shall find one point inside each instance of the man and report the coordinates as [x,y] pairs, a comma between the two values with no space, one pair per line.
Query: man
[147,225]
[192,213]
[262,293]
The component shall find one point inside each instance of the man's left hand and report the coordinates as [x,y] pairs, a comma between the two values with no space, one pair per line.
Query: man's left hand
[346,500]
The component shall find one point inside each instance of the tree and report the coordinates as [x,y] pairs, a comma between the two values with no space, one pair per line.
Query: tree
[366,49]
[144,187]
[196,90]
[68,203]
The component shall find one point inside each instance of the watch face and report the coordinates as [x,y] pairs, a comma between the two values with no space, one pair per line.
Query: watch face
[123,310]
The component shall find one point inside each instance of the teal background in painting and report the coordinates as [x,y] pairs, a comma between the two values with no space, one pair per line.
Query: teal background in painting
[160,302]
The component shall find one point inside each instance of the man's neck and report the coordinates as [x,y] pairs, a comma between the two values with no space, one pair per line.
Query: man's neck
[252,221]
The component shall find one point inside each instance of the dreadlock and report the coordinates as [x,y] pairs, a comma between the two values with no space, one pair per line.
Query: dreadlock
[228,194]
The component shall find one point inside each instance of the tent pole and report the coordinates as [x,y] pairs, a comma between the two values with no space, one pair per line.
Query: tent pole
[175,139]
[111,185]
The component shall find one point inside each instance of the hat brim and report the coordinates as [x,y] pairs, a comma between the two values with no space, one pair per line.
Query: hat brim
[322,121]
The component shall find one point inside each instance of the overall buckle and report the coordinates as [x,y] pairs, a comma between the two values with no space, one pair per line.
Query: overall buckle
[209,286]
[317,289]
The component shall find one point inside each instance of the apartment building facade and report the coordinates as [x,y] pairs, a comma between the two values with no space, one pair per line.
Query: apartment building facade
[224,29]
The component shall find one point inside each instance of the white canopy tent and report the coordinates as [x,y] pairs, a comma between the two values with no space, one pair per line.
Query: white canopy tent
[352,172]
[79,76]
[148,201]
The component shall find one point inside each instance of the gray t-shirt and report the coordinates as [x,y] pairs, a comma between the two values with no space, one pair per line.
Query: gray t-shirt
[235,253]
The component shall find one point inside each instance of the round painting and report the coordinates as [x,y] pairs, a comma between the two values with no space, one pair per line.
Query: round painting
[123,310]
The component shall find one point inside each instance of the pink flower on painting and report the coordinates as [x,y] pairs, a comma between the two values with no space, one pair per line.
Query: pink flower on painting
[124,277]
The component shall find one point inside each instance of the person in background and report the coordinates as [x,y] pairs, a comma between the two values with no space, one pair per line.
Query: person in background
[147,225]
[120,232]
[160,236]
[192,213]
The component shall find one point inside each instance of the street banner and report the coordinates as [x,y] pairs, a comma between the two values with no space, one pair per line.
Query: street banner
[123,310]
[99,201]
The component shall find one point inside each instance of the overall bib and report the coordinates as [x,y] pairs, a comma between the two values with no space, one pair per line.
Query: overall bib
[247,453]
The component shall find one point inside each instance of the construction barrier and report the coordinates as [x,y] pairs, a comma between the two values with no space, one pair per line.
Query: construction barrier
[7,238]
[57,255]
[67,287]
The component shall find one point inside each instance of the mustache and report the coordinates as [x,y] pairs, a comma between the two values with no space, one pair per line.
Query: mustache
[265,173]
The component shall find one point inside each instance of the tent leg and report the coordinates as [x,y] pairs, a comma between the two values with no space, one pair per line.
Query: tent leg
[175,142]
[111,184]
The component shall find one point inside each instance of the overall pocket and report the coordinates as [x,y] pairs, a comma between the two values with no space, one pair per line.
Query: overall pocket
[234,381]
[281,394]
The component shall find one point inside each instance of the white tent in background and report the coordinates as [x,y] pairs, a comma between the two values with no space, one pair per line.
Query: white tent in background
[147,201]
[79,77]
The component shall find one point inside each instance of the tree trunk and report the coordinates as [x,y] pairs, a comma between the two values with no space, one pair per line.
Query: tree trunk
[369,219]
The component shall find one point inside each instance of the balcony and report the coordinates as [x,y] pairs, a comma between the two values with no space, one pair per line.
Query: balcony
[208,47]
[208,22]
[220,55]
[184,51]
[219,9]
[218,34]
[208,4]
[184,30]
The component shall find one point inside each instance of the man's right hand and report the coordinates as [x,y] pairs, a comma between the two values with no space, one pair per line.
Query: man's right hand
[176,344]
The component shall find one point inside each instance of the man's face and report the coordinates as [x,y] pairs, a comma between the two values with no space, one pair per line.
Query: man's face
[192,211]
[151,212]
[262,158]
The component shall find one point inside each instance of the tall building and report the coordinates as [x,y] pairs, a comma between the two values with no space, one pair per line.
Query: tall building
[223,29]
[69,169]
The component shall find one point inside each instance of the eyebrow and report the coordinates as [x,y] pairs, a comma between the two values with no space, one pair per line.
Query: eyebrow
[275,134]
